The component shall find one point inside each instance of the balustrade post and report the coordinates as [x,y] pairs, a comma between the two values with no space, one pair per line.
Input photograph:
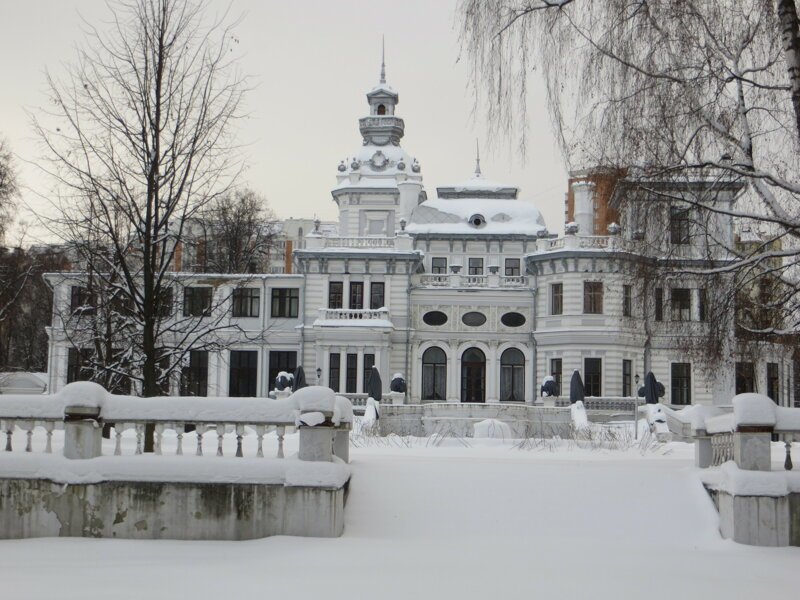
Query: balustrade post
[787,463]
[316,442]
[752,447]
[703,452]
[341,444]
[83,432]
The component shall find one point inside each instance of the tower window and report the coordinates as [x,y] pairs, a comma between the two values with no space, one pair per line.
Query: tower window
[381,109]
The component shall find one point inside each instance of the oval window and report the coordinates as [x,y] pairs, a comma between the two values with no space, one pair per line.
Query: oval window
[513,319]
[434,318]
[473,319]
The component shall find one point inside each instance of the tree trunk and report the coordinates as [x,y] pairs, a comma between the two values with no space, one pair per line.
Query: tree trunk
[790,32]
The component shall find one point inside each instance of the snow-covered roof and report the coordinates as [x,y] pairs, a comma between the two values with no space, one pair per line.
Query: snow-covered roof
[382,87]
[478,186]
[499,217]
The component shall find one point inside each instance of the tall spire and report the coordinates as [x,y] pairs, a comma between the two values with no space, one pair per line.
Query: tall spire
[383,57]
[477,159]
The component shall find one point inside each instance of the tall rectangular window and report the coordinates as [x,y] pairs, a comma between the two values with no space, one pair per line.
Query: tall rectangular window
[285,302]
[356,294]
[773,382]
[165,301]
[745,378]
[246,302]
[79,365]
[593,297]
[681,304]
[243,374]
[659,298]
[475,266]
[627,367]
[679,220]
[81,300]
[555,372]
[334,371]
[593,369]
[439,265]
[556,298]
[369,361]
[335,294]
[281,360]
[701,303]
[681,376]
[351,374]
[194,375]
[627,301]
[512,267]
[376,295]
[196,301]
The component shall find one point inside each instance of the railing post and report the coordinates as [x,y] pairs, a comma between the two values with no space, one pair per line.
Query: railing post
[316,441]
[752,447]
[703,453]
[83,432]
[341,443]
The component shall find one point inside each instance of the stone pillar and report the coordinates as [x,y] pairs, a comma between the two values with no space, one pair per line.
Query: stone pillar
[751,448]
[703,454]
[316,443]
[360,371]
[83,432]
[341,444]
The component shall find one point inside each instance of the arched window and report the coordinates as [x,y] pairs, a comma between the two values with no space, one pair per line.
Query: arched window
[381,109]
[434,374]
[512,376]
[473,376]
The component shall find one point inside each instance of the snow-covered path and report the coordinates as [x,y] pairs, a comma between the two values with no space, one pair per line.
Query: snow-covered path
[481,522]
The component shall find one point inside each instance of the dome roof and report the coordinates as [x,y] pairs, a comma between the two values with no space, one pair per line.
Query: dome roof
[476,216]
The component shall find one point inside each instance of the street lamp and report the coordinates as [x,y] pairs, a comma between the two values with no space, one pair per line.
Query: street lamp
[319,376]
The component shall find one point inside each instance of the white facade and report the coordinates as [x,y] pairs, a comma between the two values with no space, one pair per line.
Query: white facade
[457,294]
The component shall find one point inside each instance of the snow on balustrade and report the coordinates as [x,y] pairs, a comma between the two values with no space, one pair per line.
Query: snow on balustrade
[180,415]
[513,281]
[353,317]
[438,280]
[605,403]
[359,242]
[476,280]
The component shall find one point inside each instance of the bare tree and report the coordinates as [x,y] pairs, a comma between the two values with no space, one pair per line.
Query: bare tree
[138,141]
[235,233]
[8,186]
[670,91]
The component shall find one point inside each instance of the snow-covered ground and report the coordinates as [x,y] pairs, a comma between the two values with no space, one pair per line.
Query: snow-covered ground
[481,519]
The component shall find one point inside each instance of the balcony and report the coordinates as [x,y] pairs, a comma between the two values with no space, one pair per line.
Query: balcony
[398,243]
[608,243]
[353,317]
[455,280]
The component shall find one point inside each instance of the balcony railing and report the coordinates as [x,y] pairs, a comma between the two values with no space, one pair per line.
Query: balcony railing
[472,281]
[359,242]
[351,314]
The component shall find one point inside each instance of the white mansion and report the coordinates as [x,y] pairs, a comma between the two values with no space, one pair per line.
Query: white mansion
[466,294]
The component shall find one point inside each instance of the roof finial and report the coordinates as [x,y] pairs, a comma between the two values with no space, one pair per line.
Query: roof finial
[477,159]
[383,61]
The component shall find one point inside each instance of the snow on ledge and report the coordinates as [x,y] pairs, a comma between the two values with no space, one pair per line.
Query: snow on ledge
[289,472]
[754,410]
[732,480]
[183,409]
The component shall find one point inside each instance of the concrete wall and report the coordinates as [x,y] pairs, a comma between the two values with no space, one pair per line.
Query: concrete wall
[759,520]
[458,419]
[182,511]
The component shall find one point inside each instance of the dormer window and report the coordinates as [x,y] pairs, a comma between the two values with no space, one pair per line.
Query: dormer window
[381,109]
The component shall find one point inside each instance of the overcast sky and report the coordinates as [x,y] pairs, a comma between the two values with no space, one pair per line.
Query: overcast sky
[312,63]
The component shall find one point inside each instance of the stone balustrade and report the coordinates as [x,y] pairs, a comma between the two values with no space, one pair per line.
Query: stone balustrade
[82,409]
[86,492]
[457,280]
[350,314]
[757,505]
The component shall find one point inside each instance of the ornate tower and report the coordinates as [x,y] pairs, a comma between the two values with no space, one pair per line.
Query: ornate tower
[380,185]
